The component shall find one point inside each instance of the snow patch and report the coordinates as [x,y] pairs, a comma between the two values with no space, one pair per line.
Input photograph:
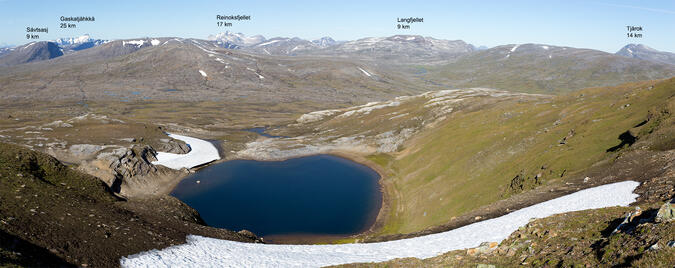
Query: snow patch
[175,39]
[268,43]
[202,48]
[512,50]
[27,46]
[364,71]
[207,252]
[544,47]
[154,42]
[203,73]
[201,152]
[137,43]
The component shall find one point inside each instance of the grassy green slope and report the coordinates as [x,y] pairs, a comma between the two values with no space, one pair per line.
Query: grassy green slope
[471,159]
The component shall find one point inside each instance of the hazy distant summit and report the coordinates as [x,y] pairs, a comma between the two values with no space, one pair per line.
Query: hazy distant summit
[397,47]
[31,52]
[640,51]
[235,40]
[71,44]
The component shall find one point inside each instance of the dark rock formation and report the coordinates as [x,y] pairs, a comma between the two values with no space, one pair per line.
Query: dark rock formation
[134,163]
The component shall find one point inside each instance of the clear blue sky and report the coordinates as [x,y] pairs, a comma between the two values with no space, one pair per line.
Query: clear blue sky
[588,24]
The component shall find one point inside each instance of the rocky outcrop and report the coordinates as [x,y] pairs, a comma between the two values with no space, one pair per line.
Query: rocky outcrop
[173,146]
[564,140]
[250,235]
[522,182]
[135,163]
[129,171]
[667,212]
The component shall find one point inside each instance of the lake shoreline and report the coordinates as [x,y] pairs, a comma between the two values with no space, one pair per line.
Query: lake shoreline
[387,192]
[374,217]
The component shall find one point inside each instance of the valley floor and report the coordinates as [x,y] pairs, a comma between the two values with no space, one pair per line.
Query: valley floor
[461,155]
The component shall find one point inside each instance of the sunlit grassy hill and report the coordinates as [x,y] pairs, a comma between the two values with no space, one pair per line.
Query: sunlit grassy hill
[479,156]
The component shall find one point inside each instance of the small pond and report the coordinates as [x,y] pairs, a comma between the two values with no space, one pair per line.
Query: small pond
[262,132]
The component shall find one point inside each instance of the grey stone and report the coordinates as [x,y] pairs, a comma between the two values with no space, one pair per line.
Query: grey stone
[666,212]
[655,247]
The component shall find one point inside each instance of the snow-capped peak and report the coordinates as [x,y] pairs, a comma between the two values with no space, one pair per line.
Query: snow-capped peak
[238,39]
[324,41]
[82,39]
[74,40]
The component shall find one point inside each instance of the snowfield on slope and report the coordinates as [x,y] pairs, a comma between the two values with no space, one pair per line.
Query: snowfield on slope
[209,252]
[201,152]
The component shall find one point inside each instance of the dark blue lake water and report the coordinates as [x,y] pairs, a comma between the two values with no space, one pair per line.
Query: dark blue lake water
[315,195]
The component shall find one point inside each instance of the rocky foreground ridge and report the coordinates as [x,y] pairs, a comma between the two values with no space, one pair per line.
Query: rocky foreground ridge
[51,214]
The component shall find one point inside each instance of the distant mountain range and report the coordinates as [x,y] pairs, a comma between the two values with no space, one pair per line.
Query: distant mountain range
[640,51]
[192,69]
[367,68]
[273,46]
[397,48]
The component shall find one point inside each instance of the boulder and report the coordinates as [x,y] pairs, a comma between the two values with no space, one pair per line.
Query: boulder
[173,146]
[666,212]
[247,233]
[251,235]
[485,247]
